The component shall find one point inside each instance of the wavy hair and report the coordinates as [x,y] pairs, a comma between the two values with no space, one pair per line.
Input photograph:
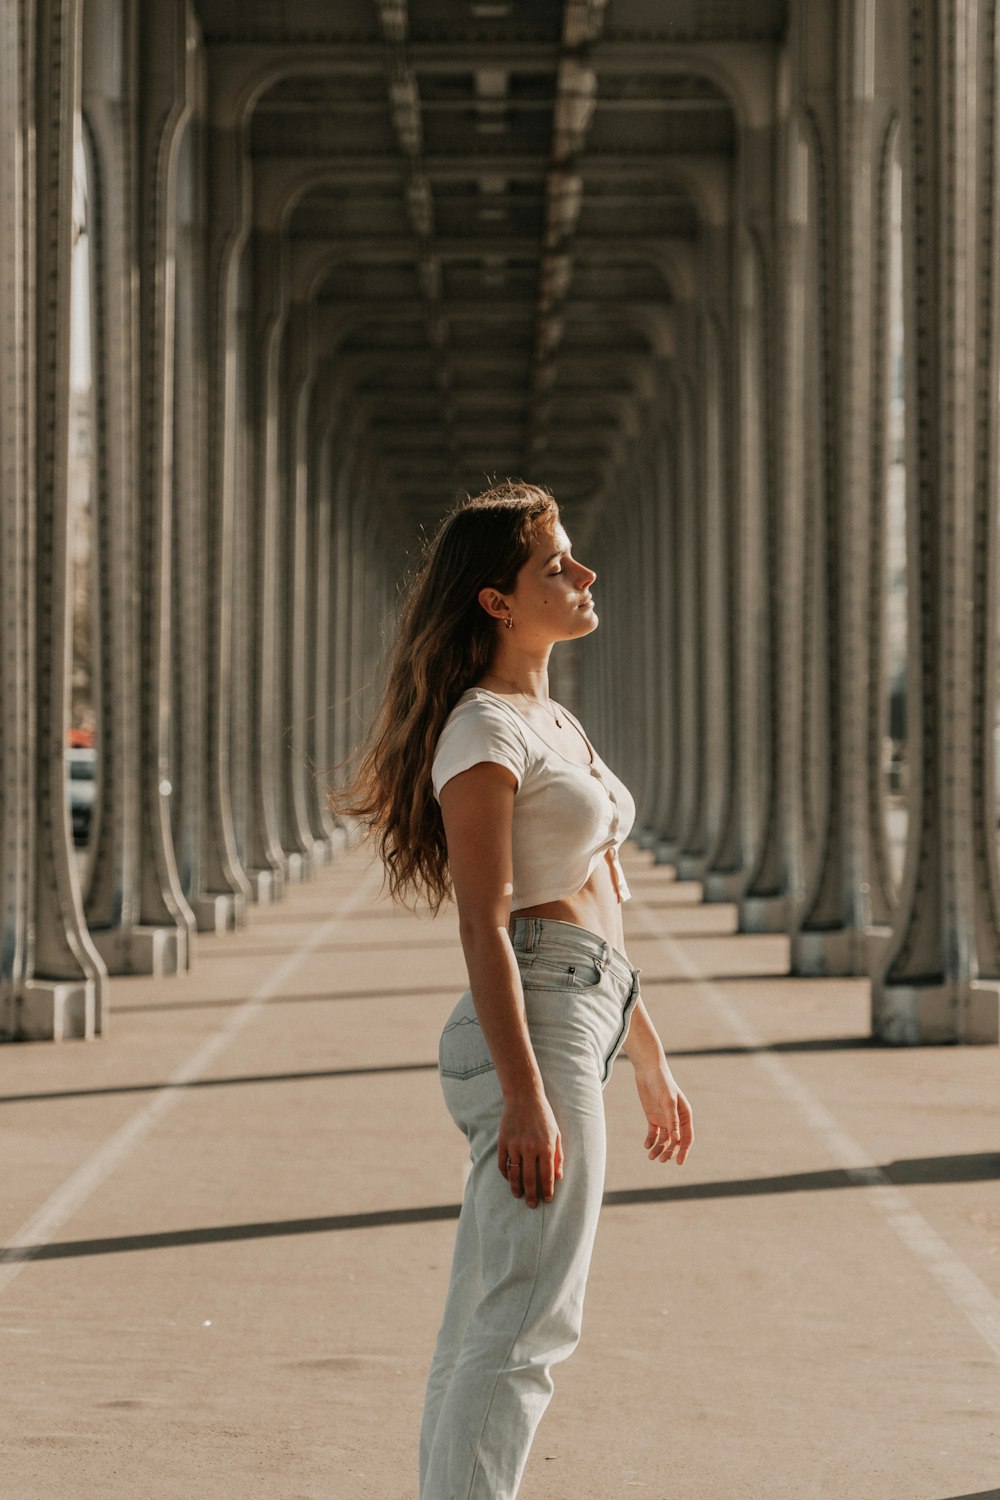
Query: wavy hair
[445,643]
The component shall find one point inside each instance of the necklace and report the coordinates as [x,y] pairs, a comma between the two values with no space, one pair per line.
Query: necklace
[547,701]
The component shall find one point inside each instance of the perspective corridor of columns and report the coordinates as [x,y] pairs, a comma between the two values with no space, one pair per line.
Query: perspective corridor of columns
[279,284]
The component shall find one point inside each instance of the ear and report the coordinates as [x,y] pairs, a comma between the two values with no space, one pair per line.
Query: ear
[494,604]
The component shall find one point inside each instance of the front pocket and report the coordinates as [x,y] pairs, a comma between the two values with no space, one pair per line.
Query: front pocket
[463,1052]
[541,972]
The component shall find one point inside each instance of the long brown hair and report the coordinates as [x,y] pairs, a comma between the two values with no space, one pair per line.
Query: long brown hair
[445,643]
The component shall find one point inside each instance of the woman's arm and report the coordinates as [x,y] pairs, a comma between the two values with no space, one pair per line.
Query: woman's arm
[668,1113]
[478,810]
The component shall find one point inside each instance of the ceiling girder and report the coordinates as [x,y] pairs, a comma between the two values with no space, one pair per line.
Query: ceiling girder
[497,293]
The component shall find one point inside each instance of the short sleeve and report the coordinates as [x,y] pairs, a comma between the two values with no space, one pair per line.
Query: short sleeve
[476,731]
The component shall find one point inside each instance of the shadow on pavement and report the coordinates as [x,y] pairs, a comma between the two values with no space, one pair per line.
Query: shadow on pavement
[233,951]
[219,1234]
[802,1044]
[978,1167]
[407,992]
[217,1083]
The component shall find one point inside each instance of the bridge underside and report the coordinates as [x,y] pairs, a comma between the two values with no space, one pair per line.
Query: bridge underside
[280,283]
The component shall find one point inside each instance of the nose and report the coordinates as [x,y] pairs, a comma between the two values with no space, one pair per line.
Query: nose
[588,574]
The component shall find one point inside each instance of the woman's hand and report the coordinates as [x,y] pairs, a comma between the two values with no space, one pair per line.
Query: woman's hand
[529,1148]
[671,1127]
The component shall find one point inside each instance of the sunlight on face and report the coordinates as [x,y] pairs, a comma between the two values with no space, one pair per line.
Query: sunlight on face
[552,596]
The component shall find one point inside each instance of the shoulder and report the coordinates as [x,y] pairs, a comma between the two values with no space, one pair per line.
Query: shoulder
[479,707]
[479,728]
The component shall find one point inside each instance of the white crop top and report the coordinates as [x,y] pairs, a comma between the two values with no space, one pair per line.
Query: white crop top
[566,816]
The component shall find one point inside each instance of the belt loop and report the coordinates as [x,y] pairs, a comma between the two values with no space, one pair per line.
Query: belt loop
[531,934]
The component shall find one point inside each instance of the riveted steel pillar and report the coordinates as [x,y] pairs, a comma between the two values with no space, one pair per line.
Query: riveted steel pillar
[238,660]
[724,876]
[268,862]
[317,742]
[985,520]
[885,144]
[17,647]
[649,662]
[690,852]
[833,933]
[62,996]
[166,97]
[764,903]
[188,524]
[713,539]
[666,706]
[297,383]
[930,989]
[340,625]
[634,666]
[110,86]
[752,662]
[224,889]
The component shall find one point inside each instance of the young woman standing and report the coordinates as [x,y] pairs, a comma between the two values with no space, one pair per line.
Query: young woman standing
[475,782]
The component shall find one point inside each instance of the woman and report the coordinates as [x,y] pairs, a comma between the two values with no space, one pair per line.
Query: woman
[477,783]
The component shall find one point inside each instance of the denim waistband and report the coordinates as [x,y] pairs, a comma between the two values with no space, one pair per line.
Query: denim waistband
[550,935]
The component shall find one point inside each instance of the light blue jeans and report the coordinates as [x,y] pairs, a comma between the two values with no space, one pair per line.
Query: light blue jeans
[515,1302]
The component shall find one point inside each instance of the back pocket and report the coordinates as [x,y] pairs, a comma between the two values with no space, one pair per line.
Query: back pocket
[463,1052]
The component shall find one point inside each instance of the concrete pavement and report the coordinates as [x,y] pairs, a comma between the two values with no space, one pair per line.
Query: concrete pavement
[231,1222]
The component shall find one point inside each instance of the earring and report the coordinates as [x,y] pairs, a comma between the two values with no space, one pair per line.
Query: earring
[508,623]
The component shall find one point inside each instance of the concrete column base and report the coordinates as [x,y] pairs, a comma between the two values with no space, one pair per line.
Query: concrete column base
[723,885]
[57,1010]
[340,839]
[837,951]
[219,911]
[267,885]
[763,914]
[924,1015]
[152,950]
[646,838]
[665,852]
[322,852]
[691,866]
[299,868]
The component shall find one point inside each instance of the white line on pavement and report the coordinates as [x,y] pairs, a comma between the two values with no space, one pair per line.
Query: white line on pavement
[965,1289]
[88,1177]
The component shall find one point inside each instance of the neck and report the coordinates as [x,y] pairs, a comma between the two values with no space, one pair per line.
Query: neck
[525,672]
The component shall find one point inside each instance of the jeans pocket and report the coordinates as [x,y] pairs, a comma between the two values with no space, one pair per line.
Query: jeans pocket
[463,1052]
[545,973]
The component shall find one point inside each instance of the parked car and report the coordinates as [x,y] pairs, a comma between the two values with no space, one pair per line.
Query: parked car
[81,789]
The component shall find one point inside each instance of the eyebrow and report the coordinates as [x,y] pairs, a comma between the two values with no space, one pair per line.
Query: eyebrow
[561,553]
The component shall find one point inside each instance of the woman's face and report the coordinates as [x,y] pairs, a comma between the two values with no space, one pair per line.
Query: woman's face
[551,598]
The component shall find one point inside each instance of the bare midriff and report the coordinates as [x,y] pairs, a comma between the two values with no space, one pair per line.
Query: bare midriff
[596,905]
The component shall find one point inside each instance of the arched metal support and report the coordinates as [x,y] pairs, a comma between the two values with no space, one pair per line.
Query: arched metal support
[267,860]
[60,993]
[58,1006]
[167,97]
[318,625]
[112,895]
[725,875]
[834,932]
[929,988]
[298,377]
[765,901]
